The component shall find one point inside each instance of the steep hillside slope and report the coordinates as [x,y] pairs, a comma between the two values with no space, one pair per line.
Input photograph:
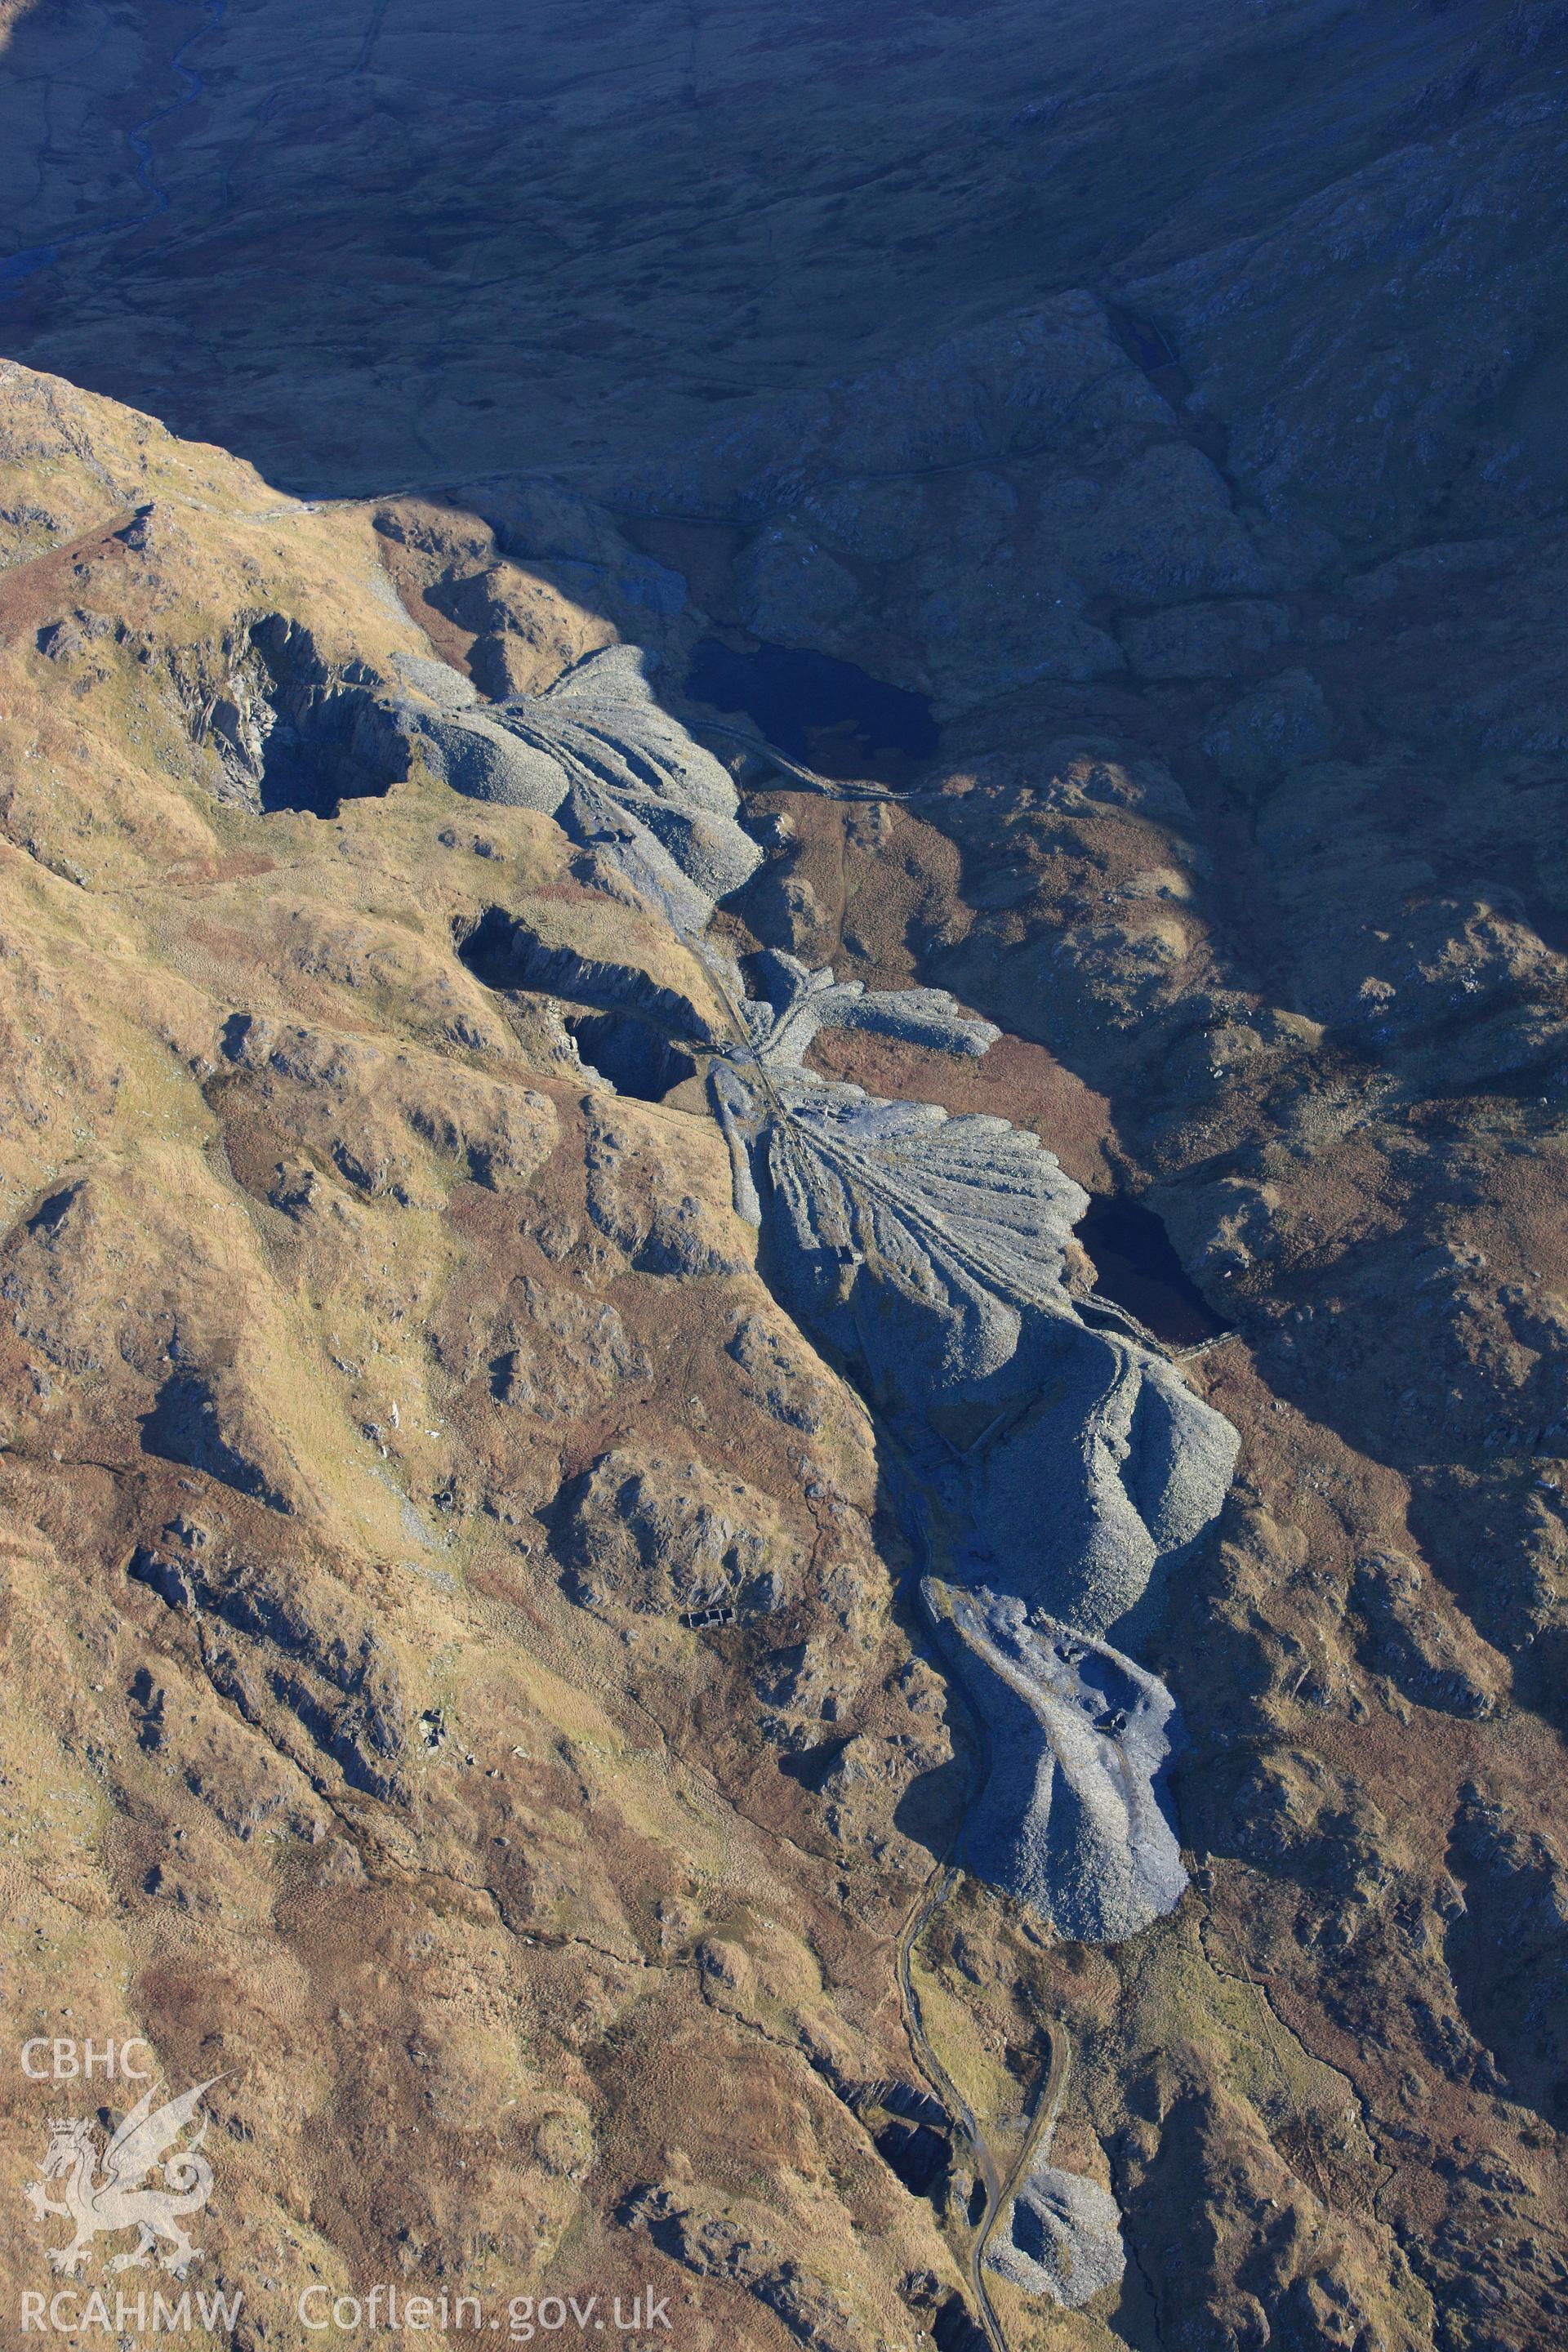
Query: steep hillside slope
[394,1411]
[530,1449]
[382,247]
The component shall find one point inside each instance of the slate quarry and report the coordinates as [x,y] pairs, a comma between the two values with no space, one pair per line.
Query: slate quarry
[928,1254]
[537,1679]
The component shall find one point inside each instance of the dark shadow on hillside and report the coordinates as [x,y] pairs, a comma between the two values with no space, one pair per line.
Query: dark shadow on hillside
[604,237]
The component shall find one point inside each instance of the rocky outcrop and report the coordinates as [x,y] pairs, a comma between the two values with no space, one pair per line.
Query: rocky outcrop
[267,1643]
[968,511]
[644,1533]
[711,2246]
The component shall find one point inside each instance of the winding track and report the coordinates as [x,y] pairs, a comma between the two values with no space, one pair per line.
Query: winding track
[862,1187]
[832,788]
[946,1877]
[1050,2094]
[1050,2090]
[999,2186]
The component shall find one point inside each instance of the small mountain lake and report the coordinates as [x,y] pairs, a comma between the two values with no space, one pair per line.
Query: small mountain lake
[1137,1268]
[827,714]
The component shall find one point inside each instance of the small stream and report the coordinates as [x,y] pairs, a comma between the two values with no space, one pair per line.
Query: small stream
[16,267]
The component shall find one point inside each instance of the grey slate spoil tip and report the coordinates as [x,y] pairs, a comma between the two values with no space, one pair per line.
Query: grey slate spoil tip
[1060,2237]
[928,1253]
[597,752]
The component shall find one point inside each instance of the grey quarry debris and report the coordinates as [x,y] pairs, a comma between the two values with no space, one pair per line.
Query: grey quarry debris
[929,1251]
[800,1001]
[1060,2237]
[1061,1460]
[1070,1821]
[597,752]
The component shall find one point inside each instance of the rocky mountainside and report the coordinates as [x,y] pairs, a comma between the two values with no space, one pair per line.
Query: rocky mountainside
[784,1311]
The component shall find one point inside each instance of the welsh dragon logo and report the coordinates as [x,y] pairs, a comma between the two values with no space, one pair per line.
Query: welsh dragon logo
[117,2198]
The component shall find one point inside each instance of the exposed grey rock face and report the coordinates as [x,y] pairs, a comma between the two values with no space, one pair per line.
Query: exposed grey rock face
[1203,640]
[1070,1821]
[598,753]
[1279,724]
[1060,2237]
[1035,379]
[1378,410]
[791,590]
[971,505]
